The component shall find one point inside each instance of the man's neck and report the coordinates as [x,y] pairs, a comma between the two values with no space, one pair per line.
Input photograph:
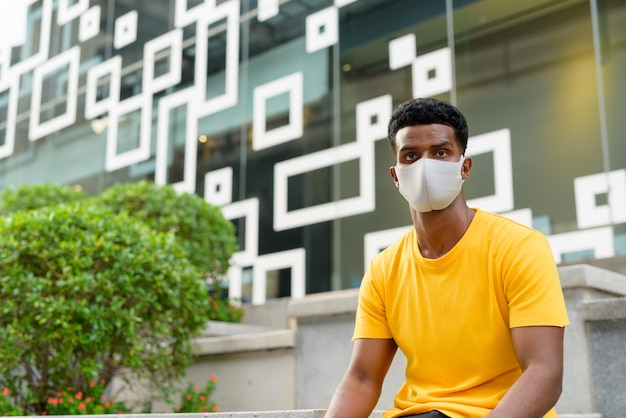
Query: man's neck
[439,231]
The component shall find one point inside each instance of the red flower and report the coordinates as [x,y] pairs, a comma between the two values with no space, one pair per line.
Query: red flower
[79,395]
[188,397]
[213,377]
[5,391]
[92,384]
[82,406]
[53,401]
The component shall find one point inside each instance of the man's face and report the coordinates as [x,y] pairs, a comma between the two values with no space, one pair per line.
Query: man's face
[433,141]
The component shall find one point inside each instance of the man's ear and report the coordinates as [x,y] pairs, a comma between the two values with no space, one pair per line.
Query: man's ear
[466,168]
[392,171]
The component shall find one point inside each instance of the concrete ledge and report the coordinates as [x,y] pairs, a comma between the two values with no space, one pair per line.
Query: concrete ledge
[220,328]
[324,304]
[345,301]
[584,275]
[265,340]
[305,413]
[604,309]
[300,413]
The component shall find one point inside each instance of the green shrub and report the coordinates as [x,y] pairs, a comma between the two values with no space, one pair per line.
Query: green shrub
[206,236]
[201,229]
[7,404]
[222,309]
[198,399]
[34,196]
[76,402]
[87,294]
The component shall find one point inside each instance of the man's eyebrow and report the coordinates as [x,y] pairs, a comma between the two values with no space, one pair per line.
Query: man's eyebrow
[411,147]
[441,144]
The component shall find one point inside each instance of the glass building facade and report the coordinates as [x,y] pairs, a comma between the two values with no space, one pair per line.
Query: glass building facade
[276,110]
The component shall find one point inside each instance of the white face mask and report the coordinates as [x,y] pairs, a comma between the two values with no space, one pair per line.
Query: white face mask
[429,184]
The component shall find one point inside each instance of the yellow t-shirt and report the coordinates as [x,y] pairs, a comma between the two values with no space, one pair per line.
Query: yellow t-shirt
[451,316]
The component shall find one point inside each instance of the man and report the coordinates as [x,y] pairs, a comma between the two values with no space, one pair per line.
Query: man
[472,299]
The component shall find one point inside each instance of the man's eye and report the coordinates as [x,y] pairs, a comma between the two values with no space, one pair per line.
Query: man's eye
[410,156]
[441,153]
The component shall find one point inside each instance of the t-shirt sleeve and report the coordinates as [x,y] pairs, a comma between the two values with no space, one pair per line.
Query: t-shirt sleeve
[532,285]
[371,316]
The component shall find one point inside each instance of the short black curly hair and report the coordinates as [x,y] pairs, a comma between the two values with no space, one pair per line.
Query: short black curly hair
[426,112]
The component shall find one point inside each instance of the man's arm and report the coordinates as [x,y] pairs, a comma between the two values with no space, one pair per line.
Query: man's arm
[540,353]
[359,389]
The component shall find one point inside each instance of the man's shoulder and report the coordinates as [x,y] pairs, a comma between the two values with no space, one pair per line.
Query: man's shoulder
[501,229]
[501,222]
[400,246]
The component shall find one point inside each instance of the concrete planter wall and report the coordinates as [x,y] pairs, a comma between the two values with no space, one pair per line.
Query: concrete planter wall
[290,354]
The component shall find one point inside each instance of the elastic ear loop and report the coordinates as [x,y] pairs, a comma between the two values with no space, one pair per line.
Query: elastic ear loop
[463,179]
